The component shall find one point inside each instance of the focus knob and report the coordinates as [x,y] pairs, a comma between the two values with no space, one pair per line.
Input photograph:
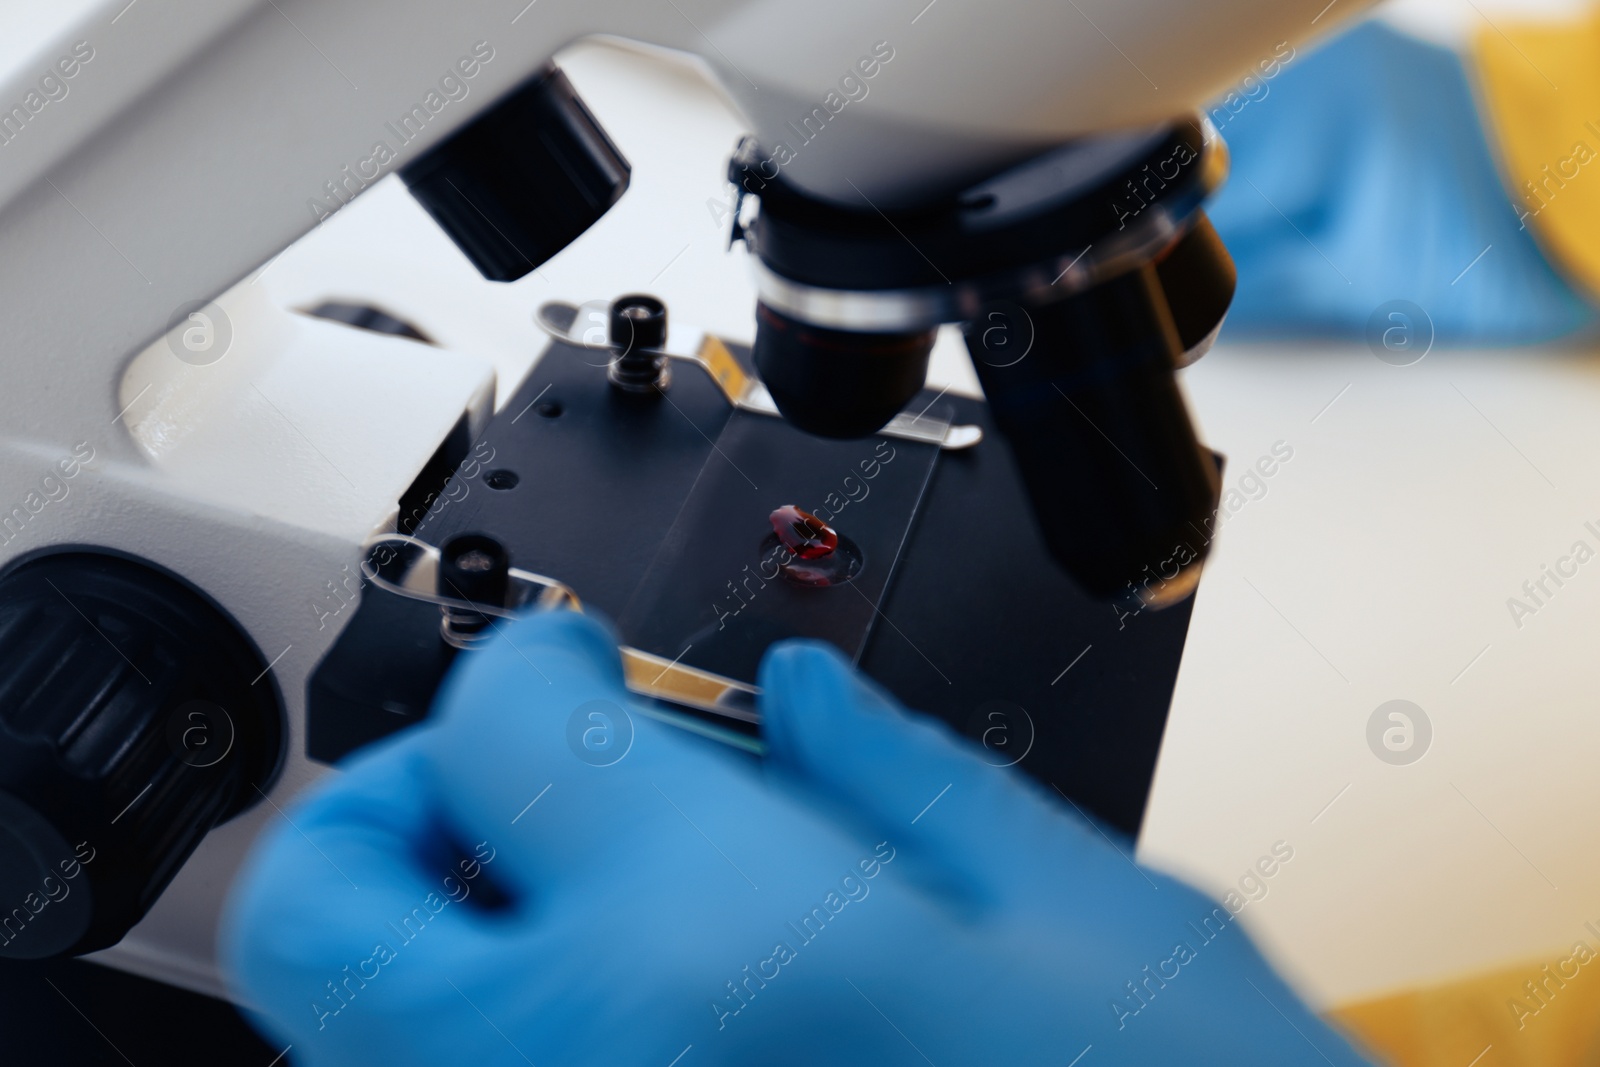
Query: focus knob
[134,717]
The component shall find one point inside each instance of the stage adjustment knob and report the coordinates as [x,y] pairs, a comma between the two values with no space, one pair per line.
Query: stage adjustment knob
[134,717]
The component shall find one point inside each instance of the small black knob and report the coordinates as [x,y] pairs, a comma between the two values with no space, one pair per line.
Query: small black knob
[134,716]
[638,321]
[637,330]
[475,568]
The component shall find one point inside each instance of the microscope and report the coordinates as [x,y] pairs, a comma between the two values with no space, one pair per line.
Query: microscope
[177,485]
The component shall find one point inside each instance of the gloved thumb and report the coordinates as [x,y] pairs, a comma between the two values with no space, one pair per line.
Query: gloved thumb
[909,776]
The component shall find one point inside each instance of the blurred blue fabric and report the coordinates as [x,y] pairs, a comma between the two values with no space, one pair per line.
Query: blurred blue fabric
[1361,175]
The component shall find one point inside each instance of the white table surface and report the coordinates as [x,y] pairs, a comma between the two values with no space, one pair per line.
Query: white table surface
[1376,567]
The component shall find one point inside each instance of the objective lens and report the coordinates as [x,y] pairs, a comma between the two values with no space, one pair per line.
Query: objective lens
[836,383]
[1123,492]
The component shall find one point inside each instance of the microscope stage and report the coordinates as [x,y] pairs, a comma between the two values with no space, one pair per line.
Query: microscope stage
[654,509]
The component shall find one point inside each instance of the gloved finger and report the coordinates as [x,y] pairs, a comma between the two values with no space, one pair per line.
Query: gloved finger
[354,908]
[911,777]
[540,746]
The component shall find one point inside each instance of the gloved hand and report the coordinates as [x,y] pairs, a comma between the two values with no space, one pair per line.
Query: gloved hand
[873,893]
[1361,175]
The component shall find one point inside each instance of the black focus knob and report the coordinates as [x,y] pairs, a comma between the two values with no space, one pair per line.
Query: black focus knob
[134,717]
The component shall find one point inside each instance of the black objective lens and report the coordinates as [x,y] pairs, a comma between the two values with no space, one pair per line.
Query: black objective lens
[837,383]
[1084,391]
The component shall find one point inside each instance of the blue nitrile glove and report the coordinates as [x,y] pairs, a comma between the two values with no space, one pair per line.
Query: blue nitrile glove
[874,893]
[1361,176]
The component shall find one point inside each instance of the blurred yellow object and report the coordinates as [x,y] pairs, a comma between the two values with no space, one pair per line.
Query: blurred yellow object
[1539,85]
[1544,1013]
